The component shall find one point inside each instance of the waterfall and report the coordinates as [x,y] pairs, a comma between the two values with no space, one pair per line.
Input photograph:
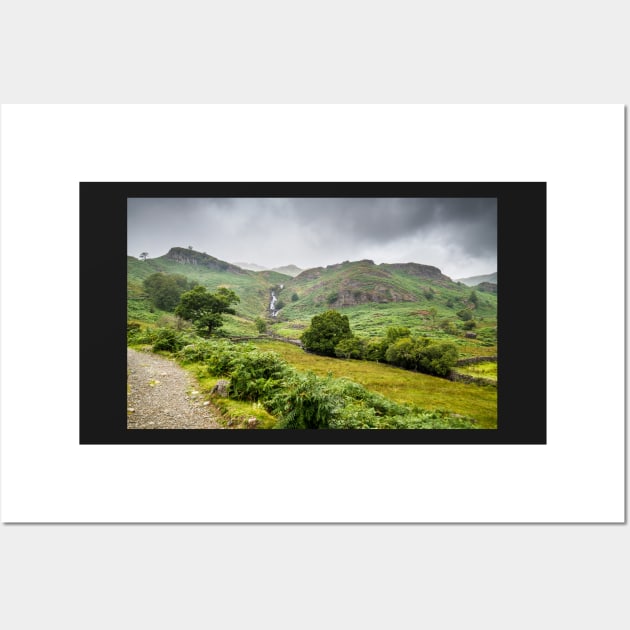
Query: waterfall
[272,305]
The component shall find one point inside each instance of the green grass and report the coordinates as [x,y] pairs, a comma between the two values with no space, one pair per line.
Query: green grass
[487,369]
[397,384]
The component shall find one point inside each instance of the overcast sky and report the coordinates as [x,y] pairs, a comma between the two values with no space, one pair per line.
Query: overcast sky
[459,236]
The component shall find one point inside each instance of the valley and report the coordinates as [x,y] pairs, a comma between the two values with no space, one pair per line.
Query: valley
[386,306]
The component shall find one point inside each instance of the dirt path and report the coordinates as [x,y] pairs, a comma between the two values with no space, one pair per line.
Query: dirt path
[162,395]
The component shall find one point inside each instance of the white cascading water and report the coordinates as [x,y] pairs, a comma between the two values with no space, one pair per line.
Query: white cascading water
[272,305]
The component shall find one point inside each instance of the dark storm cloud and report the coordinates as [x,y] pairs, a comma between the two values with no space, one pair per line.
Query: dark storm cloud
[457,235]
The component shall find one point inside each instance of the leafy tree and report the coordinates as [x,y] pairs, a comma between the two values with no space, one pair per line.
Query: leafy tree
[280,304]
[144,256]
[450,303]
[465,315]
[165,289]
[261,324]
[375,350]
[429,293]
[473,298]
[295,297]
[349,348]
[206,309]
[422,355]
[325,332]
[394,333]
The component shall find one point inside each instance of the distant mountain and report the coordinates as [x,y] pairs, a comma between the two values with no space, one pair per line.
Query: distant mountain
[251,266]
[474,280]
[289,270]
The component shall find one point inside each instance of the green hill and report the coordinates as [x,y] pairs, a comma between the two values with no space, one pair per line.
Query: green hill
[374,297]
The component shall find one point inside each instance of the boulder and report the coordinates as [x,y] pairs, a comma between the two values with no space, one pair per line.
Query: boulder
[221,388]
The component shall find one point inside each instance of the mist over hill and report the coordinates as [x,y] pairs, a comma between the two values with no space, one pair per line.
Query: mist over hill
[475,280]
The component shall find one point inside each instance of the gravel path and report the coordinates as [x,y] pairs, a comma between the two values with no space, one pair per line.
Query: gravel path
[162,395]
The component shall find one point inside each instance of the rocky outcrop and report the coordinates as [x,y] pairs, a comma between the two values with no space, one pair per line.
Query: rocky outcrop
[191,257]
[421,271]
[487,287]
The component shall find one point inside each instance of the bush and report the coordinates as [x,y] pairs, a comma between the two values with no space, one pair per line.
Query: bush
[305,402]
[256,375]
[422,355]
[168,339]
[261,324]
[375,350]
[325,332]
[295,297]
[349,348]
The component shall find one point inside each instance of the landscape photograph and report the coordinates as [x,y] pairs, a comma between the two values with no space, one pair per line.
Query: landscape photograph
[312,313]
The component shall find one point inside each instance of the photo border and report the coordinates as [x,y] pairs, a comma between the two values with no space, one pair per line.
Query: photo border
[521,253]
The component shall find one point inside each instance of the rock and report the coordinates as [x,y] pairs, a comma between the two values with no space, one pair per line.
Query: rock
[221,388]
[470,335]
[206,403]
[130,409]
[252,422]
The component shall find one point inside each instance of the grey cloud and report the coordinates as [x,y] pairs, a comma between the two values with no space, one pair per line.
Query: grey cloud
[457,235]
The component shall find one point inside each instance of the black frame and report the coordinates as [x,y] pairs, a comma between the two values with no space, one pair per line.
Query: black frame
[522,313]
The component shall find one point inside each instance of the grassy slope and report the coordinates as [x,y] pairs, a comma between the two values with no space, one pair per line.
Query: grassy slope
[251,287]
[397,384]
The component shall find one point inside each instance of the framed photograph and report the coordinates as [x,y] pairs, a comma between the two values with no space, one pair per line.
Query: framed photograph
[314,313]
[379,230]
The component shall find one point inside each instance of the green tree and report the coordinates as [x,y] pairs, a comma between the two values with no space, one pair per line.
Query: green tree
[206,309]
[349,348]
[144,256]
[394,333]
[261,325]
[166,289]
[423,355]
[464,314]
[375,350]
[473,298]
[295,297]
[325,332]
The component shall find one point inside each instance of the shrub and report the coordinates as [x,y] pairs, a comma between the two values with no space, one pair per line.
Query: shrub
[261,324]
[350,348]
[304,402]
[422,355]
[256,375]
[168,339]
[325,332]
